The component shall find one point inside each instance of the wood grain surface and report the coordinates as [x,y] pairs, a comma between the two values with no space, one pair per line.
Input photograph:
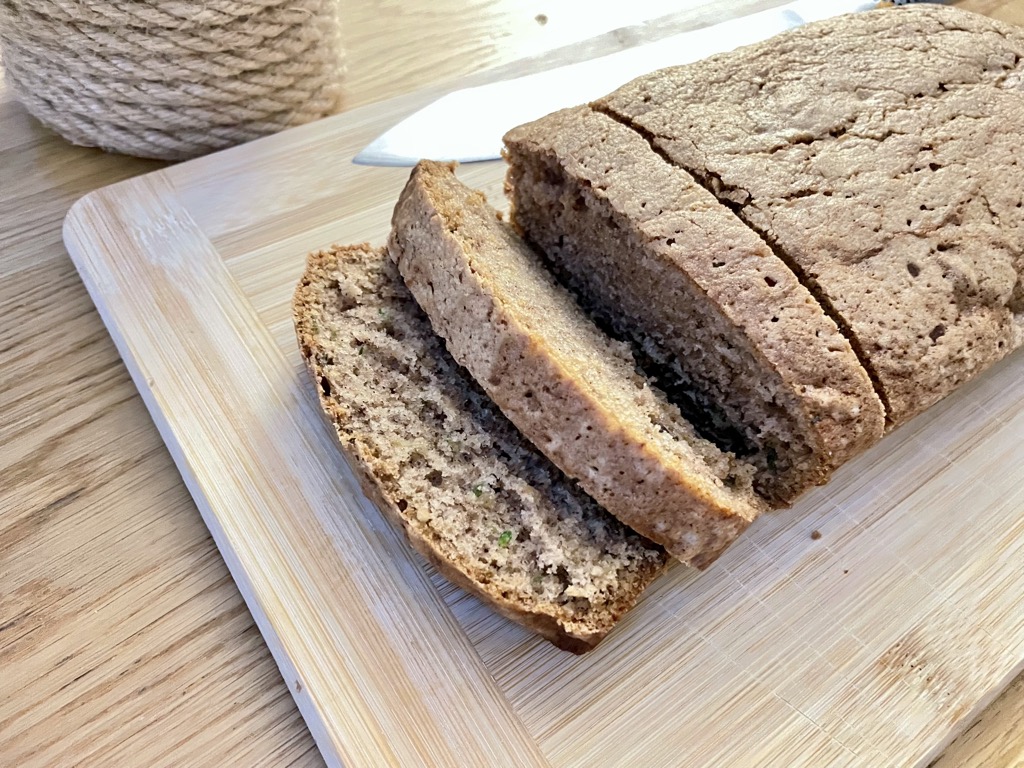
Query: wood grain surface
[122,637]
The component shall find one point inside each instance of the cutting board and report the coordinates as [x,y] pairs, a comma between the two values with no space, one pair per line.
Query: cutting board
[865,626]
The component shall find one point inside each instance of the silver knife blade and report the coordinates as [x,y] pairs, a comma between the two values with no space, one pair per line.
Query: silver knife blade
[467,125]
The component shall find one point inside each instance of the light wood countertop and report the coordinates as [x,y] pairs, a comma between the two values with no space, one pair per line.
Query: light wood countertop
[123,639]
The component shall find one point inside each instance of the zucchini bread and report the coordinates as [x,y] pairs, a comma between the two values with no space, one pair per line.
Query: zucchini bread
[720,283]
[655,254]
[472,495]
[572,390]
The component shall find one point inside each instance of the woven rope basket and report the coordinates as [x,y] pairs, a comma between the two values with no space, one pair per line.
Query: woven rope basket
[171,79]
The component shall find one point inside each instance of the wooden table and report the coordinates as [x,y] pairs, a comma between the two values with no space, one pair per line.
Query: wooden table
[123,639]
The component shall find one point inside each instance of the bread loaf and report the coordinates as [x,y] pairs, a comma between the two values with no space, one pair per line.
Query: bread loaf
[809,240]
[660,259]
[879,154]
[470,492]
[568,387]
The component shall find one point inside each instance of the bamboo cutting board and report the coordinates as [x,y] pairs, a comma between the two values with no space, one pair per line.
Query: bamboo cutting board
[863,627]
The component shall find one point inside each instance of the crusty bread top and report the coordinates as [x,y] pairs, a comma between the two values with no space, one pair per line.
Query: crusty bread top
[880,154]
[471,493]
[657,249]
[570,389]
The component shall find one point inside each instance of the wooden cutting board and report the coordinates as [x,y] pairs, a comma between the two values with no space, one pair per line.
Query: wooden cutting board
[865,626]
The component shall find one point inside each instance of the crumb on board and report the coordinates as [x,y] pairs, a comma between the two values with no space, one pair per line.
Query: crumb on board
[541,18]
[815,534]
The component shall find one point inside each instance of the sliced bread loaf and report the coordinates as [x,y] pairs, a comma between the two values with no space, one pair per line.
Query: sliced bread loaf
[567,386]
[880,155]
[662,261]
[473,496]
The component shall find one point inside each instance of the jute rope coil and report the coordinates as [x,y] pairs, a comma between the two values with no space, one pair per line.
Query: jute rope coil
[171,79]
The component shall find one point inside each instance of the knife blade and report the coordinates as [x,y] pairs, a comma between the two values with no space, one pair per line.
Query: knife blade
[467,124]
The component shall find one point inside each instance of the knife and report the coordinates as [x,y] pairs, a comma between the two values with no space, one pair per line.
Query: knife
[467,125]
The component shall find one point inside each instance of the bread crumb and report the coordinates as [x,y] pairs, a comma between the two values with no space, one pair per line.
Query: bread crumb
[541,18]
[815,534]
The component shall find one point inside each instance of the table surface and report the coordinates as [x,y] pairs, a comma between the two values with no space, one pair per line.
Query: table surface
[123,639]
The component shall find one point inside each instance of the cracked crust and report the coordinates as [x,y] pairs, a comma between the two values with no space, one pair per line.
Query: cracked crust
[879,155]
[436,456]
[570,389]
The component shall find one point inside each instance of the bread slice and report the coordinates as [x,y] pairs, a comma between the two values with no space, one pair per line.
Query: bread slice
[567,386]
[472,495]
[879,155]
[663,262]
